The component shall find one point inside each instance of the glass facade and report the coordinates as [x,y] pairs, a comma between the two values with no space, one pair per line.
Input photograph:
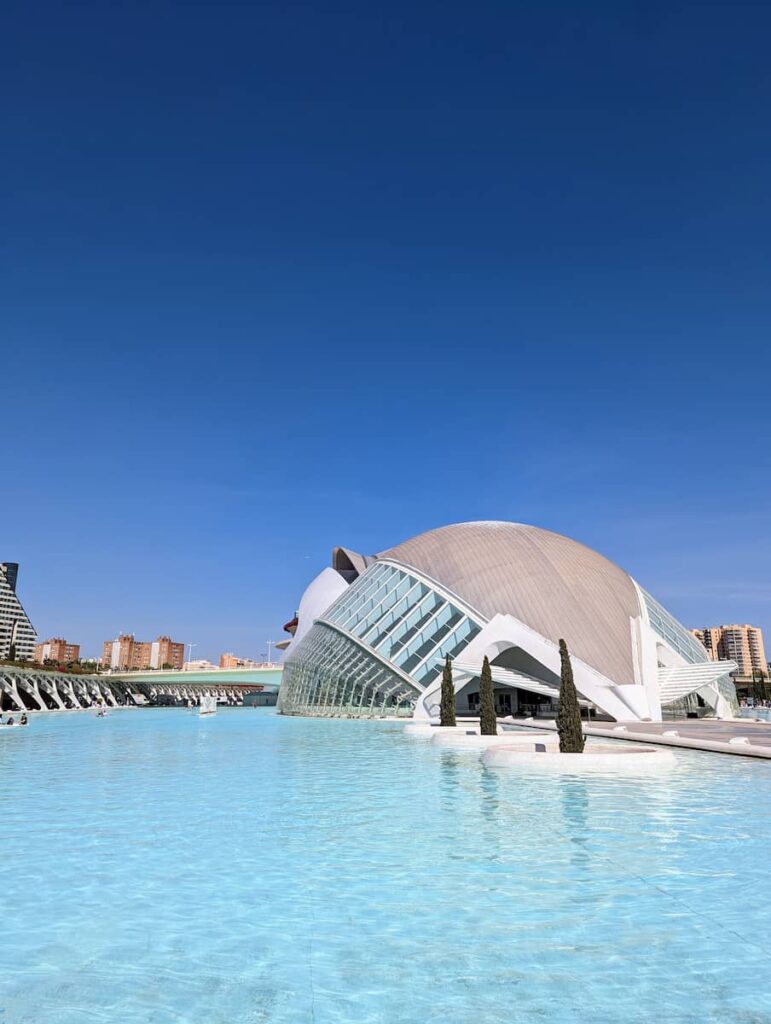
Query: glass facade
[386,612]
[699,701]
[670,630]
[694,652]
[332,674]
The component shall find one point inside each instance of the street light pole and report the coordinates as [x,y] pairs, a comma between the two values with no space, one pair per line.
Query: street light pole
[190,652]
[270,644]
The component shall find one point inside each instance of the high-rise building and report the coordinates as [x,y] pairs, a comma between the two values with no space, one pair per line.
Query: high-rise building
[126,653]
[17,634]
[56,649]
[740,643]
[710,637]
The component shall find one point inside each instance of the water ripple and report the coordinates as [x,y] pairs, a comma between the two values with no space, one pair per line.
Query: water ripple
[251,869]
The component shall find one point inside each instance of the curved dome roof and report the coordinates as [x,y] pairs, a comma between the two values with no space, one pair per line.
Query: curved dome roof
[555,585]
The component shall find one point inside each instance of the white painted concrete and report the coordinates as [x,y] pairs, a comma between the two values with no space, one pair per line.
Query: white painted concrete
[504,631]
[320,593]
[461,740]
[428,729]
[596,758]
[636,733]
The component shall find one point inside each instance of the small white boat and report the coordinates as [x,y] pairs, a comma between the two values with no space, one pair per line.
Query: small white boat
[208,706]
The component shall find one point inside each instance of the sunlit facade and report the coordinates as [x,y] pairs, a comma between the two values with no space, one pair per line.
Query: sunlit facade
[378,646]
[372,632]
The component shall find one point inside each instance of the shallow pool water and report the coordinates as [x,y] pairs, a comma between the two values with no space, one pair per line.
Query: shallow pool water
[160,867]
[762,714]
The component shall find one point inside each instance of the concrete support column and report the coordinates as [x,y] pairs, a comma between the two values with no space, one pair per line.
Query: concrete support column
[31,687]
[8,686]
[108,696]
[49,687]
[69,690]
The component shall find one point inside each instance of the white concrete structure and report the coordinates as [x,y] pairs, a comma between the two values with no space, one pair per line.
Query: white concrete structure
[26,689]
[472,740]
[373,631]
[597,757]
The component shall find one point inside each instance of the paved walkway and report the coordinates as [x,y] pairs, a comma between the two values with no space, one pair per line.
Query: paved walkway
[741,736]
[712,729]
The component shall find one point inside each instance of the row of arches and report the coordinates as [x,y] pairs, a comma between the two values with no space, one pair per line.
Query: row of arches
[27,690]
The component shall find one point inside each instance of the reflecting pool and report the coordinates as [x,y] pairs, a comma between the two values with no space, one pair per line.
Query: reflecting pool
[245,868]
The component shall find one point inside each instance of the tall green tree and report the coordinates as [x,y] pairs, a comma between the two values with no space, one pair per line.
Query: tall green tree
[488,725]
[447,705]
[569,727]
[758,685]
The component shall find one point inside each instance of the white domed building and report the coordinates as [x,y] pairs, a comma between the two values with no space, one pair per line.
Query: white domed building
[372,632]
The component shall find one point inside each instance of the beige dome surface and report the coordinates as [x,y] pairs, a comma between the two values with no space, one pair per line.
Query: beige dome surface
[555,585]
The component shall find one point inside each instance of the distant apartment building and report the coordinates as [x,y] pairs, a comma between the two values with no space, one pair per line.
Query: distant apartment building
[17,634]
[56,649]
[165,651]
[710,637]
[230,660]
[119,653]
[125,654]
[742,644]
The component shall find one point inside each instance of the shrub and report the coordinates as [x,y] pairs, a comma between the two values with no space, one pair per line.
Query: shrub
[447,705]
[569,726]
[488,725]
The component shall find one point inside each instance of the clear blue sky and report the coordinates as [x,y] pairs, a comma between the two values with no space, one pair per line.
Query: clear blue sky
[282,276]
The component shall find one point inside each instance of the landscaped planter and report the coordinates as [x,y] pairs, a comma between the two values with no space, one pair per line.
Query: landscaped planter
[473,741]
[427,730]
[603,758]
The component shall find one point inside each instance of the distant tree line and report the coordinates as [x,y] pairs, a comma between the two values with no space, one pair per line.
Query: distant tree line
[76,668]
[760,687]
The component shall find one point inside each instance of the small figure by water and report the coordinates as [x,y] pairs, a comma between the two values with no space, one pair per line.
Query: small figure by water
[23,719]
[208,705]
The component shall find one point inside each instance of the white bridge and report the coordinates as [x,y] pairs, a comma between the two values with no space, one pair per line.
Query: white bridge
[29,689]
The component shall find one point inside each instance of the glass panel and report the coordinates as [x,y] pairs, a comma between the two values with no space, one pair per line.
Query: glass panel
[401,617]
[409,627]
[340,609]
[332,675]
[389,599]
[677,636]
[368,595]
[453,644]
[419,646]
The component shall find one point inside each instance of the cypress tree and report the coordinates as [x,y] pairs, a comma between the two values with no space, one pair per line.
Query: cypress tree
[758,687]
[571,733]
[447,706]
[488,725]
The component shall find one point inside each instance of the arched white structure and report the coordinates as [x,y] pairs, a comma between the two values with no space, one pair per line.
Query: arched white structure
[507,591]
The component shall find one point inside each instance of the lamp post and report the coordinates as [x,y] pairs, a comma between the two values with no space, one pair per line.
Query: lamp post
[270,644]
[190,652]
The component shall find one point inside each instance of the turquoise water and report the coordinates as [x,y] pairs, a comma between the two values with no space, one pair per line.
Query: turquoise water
[764,714]
[162,868]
